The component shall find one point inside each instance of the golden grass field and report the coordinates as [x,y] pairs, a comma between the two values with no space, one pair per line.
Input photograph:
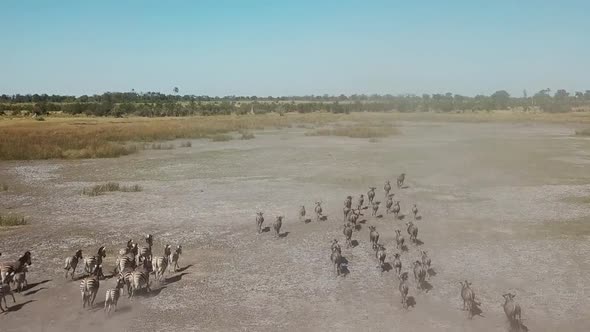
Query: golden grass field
[88,137]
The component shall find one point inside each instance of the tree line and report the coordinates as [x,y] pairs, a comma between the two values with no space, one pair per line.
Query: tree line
[160,104]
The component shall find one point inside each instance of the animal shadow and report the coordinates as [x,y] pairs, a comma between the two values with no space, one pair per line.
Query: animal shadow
[365,207]
[379,216]
[411,301]
[324,218]
[34,291]
[518,327]
[184,268]
[98,306]
[405,248]
[418,242]
[154,292]
[426,286]
[357,227]
[476,310]
[386,267]
[405,187]
[19,306]
[362,221]
[285,234]
[418,217]
[354,243]
[266,229]
[35,284]
[401,216]
[307,221]
[175,278]
[431,272]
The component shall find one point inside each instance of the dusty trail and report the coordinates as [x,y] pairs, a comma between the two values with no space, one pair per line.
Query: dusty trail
[503,206]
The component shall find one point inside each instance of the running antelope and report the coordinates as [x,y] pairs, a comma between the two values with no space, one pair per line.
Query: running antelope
[72,263]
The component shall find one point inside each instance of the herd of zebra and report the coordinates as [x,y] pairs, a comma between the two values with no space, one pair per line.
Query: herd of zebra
[422,269]
[132,270]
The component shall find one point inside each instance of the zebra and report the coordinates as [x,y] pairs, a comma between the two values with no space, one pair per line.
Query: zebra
[396,209]
[140,278]
[387,188]
[277,225]
[348,202]
[20,279]
[174,258]
[373,237]
[348,234]
[259,221]
[89,287]
[302,213]
[400,180]
[124,261]
[11,268]
[160,263]
[360,202]
[389,204]
[112,296]
[318,210]
[371,194]
[146,252]
[72,263]
[4,291]
[125,275]
[92,262]
[375,207]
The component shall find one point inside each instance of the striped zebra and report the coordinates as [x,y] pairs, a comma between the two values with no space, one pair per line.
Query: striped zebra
[140,279]
[125,275]
[125,261]
[72,263]
[89,288]
[4,291]
[92,262]
[112,296]
[20,280]
[146,252]
[11,268]
[160,263]
[174,258]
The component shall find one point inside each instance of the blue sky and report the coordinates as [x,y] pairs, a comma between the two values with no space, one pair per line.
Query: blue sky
[299,47]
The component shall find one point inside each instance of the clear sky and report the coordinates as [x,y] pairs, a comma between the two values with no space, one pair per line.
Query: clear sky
[223,47]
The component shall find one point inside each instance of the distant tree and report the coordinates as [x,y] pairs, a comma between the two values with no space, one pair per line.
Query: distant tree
[176,90]
[500,99]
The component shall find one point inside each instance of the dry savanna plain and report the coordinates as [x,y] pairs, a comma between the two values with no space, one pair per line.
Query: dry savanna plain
[503,199]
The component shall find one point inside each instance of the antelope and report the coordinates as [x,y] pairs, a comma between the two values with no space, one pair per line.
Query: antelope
[348,202]
[375,205]
[348,234]
[10,268]
[415,211]
[419,274]
[403,288]
[380,255]
[353,217]
[387,188]
[360,202]
[388,204]
[396,209]
[302,213]
[336,259]
[72,263]
[399,239]
[277,225]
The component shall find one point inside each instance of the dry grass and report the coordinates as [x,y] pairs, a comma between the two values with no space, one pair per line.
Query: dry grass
[161,146]
[82,137]
[12,220]
[3,187]
[356,131]
[221,138]
[247,135]
[100,189]
[583,132]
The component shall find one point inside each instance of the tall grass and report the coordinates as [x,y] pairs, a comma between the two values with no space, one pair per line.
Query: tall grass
[12,220]
[73,138]
[100,189]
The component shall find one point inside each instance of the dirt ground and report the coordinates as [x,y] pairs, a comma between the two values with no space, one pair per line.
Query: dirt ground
[505,206]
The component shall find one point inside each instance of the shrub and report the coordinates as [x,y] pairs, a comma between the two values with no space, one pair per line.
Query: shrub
[247,135]
[221,138]
[100,189]
[186,144]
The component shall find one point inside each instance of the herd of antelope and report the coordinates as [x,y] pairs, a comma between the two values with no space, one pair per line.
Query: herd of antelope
[133,268]
[422,269]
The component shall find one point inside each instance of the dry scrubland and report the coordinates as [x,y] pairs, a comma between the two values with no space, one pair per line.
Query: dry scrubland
[502,198]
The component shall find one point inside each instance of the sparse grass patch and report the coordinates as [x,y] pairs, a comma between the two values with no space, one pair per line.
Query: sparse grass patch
[356,131]
[583,132]
[100,189]
[3,187]
[161,146]
[373,140]
[246,135]
[221,138]
[12,220]
[186,144]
